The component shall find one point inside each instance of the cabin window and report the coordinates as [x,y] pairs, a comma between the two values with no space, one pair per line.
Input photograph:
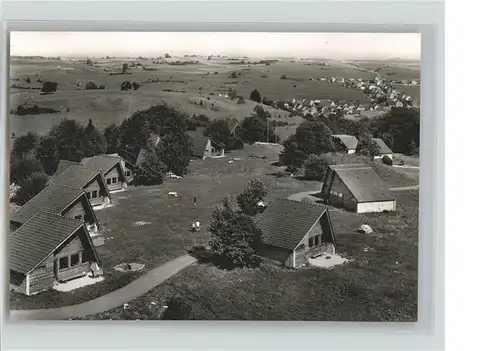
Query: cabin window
[317,240]
[311,242]
[301,247]
[75,260]
[128,173]
[78,216]
[94,194]
[108,181]
[114,180]
[63,263]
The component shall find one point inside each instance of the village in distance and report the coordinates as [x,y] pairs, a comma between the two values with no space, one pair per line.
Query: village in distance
[214,186]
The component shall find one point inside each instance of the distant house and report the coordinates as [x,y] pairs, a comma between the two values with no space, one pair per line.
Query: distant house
[60,200]
[384,149]
[347,142]
[50,248]
[204,147]
[356,187]
[89,180]
[233,123]
[293,231]
[112,169]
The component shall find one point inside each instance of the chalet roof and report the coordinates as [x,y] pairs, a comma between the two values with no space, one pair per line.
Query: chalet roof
[63,164]
[76,177]
[363,183]
[384,149]
[37,238]
[285,222]
[349,141]
[141,156]
[101,163]
[53,199]
[199,143]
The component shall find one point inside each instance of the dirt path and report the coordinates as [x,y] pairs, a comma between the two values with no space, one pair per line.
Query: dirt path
[109,301]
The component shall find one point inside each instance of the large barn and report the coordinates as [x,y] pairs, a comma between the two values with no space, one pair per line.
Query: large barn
[50,248]
[293,231]
[91,181]
[60,200]
[356,187]
[384,149]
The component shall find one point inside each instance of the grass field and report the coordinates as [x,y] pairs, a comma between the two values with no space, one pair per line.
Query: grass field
[186,84]
[168,236]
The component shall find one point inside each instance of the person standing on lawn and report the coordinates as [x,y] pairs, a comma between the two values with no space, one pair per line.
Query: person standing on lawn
[197,225]
[195,200]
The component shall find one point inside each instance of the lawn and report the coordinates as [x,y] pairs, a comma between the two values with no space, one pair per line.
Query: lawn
[168,235]
[378,284]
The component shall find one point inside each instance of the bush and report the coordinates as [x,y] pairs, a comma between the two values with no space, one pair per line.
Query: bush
[102,86]
[177,309]
[49,87]
[248,200]
[126,85]
[255,96]
[29,187]
[281,173]
[136,85]
[91,86]
[237,144]
[150,171]
[386,160]
[23,167]
[284,76]
[314,167]
[267,101]
[241,100]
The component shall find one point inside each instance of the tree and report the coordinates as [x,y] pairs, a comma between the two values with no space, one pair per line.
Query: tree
[124,68]
[150,171]
[126,85]
[112,136]
[292,156]
[198,121]
[25,144]
[386,160]
[237,143]
[267,101]
[367,146]
[175,150]
[315,167]
[255,128]
[48,155]
[233,75]
[71,139]
[49,87]
[177,309]
[29,187]
[88,62]
[248,200]
[234,236]
[259,111]
[136,85]
[255,96]
[95,142]
[400,129]
[22,167]
[91,86]
[167,55]
[219,131]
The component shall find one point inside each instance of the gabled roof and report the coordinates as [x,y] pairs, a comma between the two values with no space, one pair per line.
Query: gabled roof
[199,145]
[141,156]
[63,164]
[384,149]
[363,183]
[78,177]
[53,199]
[285,222]
[349,141]
[41,235]
[101,163]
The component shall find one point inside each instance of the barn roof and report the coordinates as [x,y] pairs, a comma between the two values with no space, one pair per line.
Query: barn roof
[384,149]
[63,164]
[285,222]
[101,163]
[54,199]
[349,141]
[31,243]
[199,145]
[363,183]
[76,177]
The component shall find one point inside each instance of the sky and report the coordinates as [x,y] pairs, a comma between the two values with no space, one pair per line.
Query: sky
[324,45]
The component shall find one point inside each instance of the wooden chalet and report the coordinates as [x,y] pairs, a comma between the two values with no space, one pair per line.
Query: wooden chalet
[50,248]
[348,143]
[356,187]
[89,180]
[204,147]
[60,200]
[293,231]
[112,169]
[384,149]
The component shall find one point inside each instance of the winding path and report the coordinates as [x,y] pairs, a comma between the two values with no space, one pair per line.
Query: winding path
[116,298]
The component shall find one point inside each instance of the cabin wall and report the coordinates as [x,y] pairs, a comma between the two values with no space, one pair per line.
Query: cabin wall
[114,180]
[95,193]
[318,240]
[340,196]
[75,248]
[379,206]
[42,278]
[75,211]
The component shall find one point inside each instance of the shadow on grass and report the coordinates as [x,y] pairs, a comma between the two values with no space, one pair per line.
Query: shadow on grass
[205,256]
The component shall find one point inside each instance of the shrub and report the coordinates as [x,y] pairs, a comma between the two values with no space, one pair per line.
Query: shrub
[386,160]
[237,144]
[255,96]
[126,85]
[136,85]
[248,200]
[102,86]
[314,167]
[150,171]
[29,187]
[22,167]
[241,100]
[49,87]
[283,76]
[281,173]
[91,86]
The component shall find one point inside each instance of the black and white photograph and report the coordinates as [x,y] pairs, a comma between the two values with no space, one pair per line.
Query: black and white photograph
[214,176]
